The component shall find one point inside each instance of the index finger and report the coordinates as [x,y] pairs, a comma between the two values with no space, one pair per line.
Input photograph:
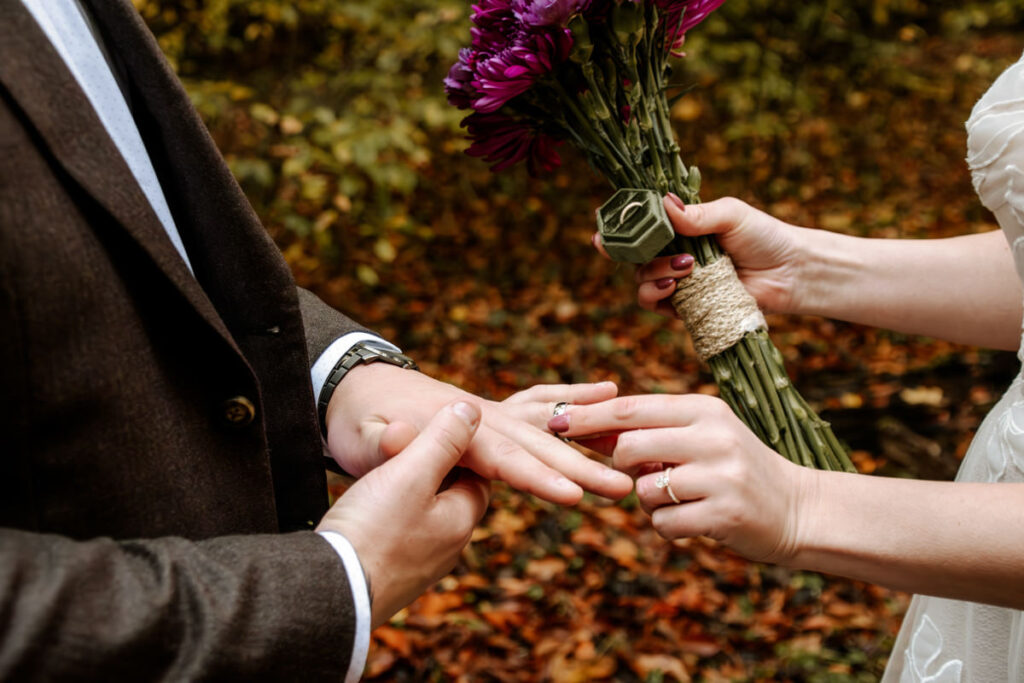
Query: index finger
[637,412]
[528,456]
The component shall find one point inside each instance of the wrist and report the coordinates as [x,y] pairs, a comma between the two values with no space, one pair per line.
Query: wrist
[361,353]
[806,517]
[823,262]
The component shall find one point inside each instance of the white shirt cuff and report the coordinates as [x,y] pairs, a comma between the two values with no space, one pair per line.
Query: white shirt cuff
[338,348]
[361,600]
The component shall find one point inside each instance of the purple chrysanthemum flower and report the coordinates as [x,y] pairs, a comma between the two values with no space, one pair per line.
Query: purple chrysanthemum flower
[504,141]
[459,82]
[514,70]
[494,25]
[537,13]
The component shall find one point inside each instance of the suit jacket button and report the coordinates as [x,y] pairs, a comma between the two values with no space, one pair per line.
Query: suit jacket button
[239,411]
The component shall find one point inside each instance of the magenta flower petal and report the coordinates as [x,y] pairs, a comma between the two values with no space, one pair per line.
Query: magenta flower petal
[459,82]
[679,16]
[504,141]
[538,13]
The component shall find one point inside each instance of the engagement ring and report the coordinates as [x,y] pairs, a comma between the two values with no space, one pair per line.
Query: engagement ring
[560,408]
[662,481]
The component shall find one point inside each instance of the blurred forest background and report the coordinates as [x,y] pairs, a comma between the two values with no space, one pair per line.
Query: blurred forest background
[836,114]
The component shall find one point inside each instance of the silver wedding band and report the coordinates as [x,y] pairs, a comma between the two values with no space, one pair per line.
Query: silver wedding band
[663,481]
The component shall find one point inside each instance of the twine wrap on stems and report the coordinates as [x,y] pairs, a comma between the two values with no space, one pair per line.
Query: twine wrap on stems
[716,307]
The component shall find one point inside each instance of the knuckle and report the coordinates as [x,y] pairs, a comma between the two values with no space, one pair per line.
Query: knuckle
[732,206]
[735,475]
[718,409]
[506,451]
[625,408]
[625,450]
[723,441]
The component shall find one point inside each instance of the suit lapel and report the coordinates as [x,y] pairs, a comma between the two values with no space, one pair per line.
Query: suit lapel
[48,94]
[234,258]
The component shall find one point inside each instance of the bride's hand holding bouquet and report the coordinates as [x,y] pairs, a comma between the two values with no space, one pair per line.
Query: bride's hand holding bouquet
[700,471]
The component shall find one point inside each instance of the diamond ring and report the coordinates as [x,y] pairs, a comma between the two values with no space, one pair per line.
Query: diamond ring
[560,408]
[662,481]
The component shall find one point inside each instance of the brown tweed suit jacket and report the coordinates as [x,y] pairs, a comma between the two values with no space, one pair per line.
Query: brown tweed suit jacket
[160,460]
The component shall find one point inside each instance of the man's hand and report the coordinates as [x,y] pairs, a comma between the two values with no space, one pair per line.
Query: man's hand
[378,406]
[405,532]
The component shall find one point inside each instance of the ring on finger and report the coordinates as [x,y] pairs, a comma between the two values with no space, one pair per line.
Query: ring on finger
[663,481]
[560,408]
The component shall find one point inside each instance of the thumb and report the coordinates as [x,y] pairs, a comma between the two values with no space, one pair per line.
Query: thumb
[395,438]
[718,216]
[431,455]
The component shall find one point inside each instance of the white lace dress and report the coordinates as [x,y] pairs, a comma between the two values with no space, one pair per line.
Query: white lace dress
[949,641]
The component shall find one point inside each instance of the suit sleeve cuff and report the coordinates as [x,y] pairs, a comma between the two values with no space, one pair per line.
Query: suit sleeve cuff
[330,356]
[361,600]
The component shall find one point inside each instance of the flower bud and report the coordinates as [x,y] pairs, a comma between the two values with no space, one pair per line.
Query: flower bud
[627,21]
[582,45]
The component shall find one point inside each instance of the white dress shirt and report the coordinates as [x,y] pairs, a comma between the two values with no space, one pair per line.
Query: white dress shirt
[69,29]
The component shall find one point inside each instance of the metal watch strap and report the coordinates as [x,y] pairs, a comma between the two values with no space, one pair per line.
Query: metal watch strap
[361,352]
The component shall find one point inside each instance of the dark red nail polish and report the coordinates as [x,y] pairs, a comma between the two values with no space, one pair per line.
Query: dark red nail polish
[559,423]
[681,262]
[677,201]
[664,282]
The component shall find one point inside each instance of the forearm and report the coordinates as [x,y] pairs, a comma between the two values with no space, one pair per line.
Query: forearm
[955,540]
[231,607]
[962,289]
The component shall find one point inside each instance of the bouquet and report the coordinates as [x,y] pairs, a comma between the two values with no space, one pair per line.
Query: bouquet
[594,73]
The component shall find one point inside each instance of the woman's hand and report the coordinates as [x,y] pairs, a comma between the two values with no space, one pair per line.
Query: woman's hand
[763,249]
[733,488]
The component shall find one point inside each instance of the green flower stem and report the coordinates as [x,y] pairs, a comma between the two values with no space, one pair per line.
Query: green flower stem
[602,115]
[752,379]
[609,159]
[757,374]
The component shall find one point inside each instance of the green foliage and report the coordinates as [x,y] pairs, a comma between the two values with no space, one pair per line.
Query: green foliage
[327,110]
[333,117]
[768,71]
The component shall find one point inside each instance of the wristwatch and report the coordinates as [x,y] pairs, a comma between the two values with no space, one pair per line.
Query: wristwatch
[360,352]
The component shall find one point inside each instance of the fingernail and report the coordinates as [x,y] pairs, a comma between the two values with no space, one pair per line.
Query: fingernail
[664,282]
[469,414]
[559,423]
[681,262]
[593,239]
[677,201]
[564,483]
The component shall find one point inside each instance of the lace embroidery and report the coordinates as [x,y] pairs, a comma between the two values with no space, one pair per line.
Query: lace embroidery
[925,648]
